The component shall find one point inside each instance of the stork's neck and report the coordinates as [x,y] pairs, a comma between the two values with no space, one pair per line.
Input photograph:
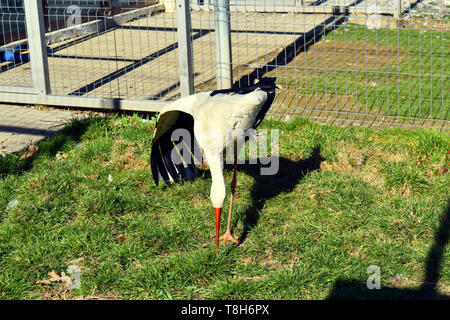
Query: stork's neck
[218,187]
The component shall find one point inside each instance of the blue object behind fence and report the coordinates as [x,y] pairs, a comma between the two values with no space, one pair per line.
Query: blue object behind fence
[19,53]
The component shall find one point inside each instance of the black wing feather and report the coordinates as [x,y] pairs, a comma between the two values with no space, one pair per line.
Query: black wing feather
[158,164]
[154,163]
[167,157]
[267,84]
[262,113]
[163,151]
[180,168]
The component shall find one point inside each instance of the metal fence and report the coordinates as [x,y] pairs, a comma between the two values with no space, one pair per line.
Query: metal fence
[341,61]
[380,62]
[86,54]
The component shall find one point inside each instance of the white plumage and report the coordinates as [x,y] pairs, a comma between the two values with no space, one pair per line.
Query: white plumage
[210,121]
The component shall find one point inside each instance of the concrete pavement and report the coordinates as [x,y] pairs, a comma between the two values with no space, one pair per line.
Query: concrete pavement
[21,126]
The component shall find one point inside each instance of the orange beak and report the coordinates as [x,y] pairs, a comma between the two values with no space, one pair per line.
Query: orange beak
[217,214]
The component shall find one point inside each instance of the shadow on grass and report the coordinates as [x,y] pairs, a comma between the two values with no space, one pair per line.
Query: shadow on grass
[14,164]
[268,186]
[353,289]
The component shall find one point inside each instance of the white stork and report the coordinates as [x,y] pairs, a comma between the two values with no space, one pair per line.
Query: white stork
[214,121]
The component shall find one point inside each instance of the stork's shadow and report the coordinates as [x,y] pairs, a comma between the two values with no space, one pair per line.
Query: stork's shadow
[266,187]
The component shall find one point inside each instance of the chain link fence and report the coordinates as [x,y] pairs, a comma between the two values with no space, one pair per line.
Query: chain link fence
[368,62]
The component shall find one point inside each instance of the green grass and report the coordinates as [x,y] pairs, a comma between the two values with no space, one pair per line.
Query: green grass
[344,199]
[395,72]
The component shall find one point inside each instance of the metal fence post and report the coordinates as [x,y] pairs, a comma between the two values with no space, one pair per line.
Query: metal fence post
[399,5]
[185,48]
[34,16]
[223,44]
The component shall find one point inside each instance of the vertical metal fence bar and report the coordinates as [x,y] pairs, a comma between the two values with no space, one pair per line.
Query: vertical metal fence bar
[399,8]
[34,16]
[431,72]
[442,65]
[185,48]
[223,44]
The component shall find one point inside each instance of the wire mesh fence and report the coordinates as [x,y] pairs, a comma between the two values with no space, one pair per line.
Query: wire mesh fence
[13,28]
[361,61]
[346,61]
[119,55]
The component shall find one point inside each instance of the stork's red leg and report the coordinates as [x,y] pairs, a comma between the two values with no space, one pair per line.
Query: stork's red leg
[227,236]
[217,214]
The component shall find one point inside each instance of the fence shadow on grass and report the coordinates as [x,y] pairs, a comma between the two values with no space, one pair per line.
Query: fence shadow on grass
[268,186]
[353,289]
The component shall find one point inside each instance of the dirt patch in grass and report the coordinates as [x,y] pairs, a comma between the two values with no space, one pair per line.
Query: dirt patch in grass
[125,157]
[357,162]
[198,201]
[348,54]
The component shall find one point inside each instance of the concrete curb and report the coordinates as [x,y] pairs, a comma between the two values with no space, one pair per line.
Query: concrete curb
[96,26]
[101,25]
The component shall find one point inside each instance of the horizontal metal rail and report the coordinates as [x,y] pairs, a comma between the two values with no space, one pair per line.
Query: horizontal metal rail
[308,9]
[84,102]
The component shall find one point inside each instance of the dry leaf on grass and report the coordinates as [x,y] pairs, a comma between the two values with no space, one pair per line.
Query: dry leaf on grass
[122,237]
[406,190]
[246,260]
[64,277]
[93,176]
[54,277]
[31,151]
[43,282]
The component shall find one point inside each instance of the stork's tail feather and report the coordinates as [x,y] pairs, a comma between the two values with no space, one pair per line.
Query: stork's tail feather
[267,84]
